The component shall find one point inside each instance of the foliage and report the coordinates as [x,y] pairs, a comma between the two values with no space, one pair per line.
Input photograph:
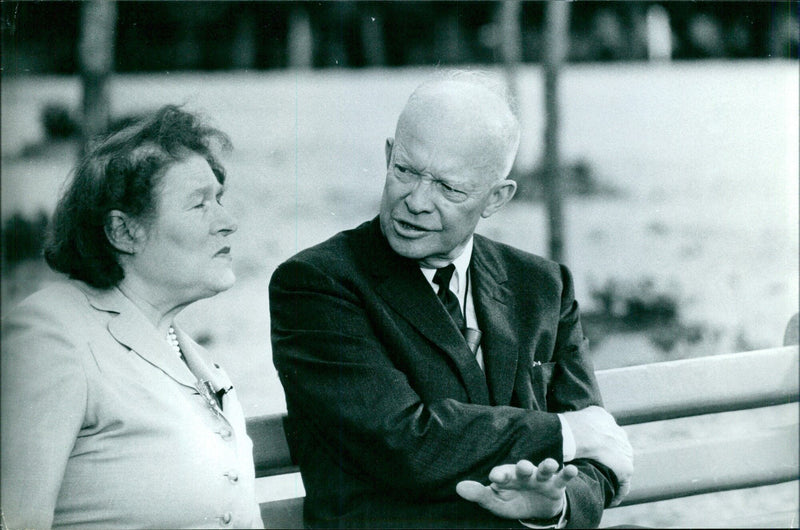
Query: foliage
[61,123]
[578,179]
[642,306]
[23,237]
[58,122]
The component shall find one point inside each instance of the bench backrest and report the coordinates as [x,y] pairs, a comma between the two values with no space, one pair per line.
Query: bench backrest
[650,393]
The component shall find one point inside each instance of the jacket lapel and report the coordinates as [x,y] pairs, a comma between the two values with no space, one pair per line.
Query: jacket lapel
[402,285]
[496,312]
[130,328]
[199,364]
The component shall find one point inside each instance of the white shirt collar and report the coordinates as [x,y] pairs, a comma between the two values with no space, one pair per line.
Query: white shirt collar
[459,281]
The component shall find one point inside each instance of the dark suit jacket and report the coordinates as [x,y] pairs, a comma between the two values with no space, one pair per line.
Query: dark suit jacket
[387,407]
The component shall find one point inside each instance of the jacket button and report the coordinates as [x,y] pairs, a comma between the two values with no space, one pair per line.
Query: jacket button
[226,518]
[233,476]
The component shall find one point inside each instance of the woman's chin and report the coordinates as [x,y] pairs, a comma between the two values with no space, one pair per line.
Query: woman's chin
[227,281]
[221,283]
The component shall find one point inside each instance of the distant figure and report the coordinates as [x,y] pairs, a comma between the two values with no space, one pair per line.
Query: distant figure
[111,416]
[395,418]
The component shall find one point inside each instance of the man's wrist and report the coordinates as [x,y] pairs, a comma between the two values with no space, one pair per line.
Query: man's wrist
[569,447]
[559,520]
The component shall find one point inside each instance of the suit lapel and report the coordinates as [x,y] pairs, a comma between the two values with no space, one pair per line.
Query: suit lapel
[130,328]
[402,286]
[496,312]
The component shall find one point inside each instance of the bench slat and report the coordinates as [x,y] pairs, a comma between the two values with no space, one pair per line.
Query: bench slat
[641,394]
[720,383]
[270,449]
[704,466]
[287,513]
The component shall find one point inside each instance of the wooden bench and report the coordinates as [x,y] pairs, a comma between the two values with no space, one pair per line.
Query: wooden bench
[643,397]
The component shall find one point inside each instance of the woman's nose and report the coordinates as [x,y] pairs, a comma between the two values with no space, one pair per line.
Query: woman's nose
[225,222]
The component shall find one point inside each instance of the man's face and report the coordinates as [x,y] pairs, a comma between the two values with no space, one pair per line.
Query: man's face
[438,185]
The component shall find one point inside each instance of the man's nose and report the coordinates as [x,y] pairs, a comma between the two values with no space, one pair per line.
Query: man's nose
[420,198]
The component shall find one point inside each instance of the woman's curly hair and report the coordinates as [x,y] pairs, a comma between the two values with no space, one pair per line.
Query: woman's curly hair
[122,172]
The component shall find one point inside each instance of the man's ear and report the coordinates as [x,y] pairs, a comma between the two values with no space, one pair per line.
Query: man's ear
[502,192]
[389,145]
[123,232]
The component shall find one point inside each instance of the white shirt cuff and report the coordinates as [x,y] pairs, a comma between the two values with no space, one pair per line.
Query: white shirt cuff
[562,520]
[569,447]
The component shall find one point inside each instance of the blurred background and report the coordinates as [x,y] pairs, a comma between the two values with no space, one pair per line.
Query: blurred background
[659,157]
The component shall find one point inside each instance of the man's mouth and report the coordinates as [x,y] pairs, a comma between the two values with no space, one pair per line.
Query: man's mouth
[224,251]
[410,227]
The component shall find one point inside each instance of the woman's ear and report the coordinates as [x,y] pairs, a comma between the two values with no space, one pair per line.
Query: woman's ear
[123,232]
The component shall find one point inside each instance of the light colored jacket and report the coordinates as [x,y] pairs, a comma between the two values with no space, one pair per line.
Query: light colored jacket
[103,424]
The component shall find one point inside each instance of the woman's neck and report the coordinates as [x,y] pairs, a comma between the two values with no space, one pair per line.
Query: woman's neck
[156,308]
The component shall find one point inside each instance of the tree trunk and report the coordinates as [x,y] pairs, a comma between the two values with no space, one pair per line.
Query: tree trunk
[510,42]
[555,50]
[96,56]
[300,46]
[372,38]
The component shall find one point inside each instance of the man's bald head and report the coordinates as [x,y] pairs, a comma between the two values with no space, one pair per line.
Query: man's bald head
[469,109]
[446,167]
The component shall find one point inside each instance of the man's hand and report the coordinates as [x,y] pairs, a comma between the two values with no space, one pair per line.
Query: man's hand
[522,491]
[598,437]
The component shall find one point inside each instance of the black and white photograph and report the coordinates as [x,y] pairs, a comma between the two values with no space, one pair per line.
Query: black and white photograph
[399,264]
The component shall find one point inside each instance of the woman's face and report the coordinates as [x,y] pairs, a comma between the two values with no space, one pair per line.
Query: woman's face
[186,254]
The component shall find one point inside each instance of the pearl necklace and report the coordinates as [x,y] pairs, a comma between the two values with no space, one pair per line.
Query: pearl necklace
[172,339]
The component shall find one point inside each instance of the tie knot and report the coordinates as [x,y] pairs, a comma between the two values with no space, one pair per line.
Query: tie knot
[443,276]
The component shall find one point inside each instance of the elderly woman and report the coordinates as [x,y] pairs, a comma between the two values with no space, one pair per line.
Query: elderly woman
[111,416]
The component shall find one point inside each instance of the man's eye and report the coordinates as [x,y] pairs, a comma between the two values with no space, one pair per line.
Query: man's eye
[451,193]
[403,173]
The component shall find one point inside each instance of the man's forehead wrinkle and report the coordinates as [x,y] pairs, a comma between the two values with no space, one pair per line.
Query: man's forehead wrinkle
[467,137]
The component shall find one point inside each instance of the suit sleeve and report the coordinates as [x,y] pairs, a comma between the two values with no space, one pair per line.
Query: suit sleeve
[574,387]
[340,381]
[43,402]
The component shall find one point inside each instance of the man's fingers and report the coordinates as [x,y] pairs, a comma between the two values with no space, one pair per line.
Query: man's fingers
[546,470]
[525,469]
[568,473]
[502,474]
[473,491]
[624,489]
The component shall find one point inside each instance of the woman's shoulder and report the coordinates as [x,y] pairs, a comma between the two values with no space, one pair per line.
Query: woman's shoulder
[45,335]
[60,296]
[62,306]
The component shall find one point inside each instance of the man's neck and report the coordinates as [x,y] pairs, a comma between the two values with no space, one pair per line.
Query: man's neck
[460,255]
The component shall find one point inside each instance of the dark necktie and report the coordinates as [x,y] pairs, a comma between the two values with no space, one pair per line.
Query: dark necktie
[448,297]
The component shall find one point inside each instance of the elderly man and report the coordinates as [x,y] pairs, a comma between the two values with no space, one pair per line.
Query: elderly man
[420,360]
